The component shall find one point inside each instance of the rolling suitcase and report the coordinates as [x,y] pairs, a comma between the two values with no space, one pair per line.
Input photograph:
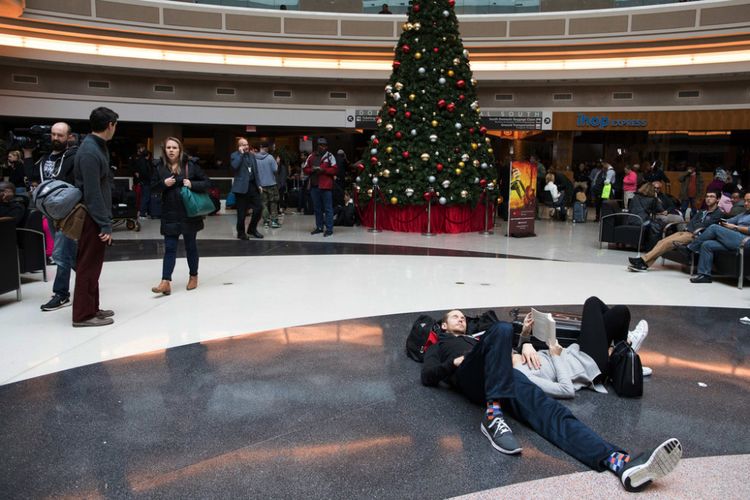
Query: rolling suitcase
[579,212]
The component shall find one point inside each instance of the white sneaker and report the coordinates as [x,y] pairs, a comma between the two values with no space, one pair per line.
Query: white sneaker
[638,335]
[745,320]
[647,371]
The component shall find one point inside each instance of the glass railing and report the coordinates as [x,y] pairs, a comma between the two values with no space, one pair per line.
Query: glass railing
[462,6]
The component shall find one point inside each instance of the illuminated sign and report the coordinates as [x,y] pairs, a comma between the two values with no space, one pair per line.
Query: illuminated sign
[604,121]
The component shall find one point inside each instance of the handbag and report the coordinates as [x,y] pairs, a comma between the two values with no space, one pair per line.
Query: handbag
[606,191]
[196,204]
[72,224]
[626,371]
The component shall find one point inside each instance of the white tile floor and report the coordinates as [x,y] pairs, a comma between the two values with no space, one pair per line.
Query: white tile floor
[240,295]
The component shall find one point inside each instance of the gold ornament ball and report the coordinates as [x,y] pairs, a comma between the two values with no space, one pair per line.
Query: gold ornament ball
[417,56]
[416,26]
[458,171]
[386,173]
[461,164]
[399,85]
[389,149]
[434,123]
[412,97]
[456,61]
[451,72]
[487,140]
[475,163]
[369,192]
[474,146]
[405,26]
[394,200]
[425,157]
[489,150]
[389,127]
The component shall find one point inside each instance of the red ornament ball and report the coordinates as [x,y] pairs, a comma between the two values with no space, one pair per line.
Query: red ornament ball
[415,7]
[460,84]
[405,49]
[375,141]
[471,130]
[399,135]
[461,97]
[483,182]
[451,107]
[435,50]
[392,111]
[427,195]
[373,160]
[439,167]
[360,166]
[407,114]
[396,64]
[451,2]
[482,130]
[441,103]
[405,154]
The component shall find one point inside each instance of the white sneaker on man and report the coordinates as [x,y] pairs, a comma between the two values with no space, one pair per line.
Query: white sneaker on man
[638,335]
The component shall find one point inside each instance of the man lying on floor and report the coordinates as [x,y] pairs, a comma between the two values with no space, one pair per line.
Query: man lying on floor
[482,370]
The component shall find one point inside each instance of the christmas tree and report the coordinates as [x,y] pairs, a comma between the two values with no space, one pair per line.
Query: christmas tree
[429,141]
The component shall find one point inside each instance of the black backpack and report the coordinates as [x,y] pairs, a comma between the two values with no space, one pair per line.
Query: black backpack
[626,371]
[423,334]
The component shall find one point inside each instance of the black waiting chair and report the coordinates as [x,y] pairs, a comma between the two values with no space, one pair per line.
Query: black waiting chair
[10,276]
[32,254]
[621,228]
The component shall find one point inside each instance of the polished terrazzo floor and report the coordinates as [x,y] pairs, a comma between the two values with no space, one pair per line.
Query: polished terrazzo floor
[284,373]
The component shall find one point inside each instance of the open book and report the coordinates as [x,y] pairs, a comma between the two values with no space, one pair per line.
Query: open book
[544,327]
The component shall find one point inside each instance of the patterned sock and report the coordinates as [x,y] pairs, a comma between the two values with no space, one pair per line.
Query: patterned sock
[493,410]
[616,461]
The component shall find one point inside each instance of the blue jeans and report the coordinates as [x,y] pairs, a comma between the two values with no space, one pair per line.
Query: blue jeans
[322,202]
[145,199]
[715,238]
[64,255]
[170,255]
[487,374]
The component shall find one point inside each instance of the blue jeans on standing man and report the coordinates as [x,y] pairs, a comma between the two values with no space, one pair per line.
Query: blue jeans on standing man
[714,239]
[64,255]
[322,202]
[170,254]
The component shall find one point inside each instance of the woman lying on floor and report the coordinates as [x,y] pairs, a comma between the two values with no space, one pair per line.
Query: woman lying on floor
[560,372]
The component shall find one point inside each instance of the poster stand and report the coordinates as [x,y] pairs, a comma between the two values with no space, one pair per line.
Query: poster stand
[522,199]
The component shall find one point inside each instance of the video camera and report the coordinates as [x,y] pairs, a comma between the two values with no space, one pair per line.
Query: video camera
[35,137]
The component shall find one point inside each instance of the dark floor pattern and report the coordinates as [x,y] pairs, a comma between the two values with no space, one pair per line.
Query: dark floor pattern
[154,249]
[336,411]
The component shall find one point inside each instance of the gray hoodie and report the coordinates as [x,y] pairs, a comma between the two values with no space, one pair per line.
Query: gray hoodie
[267,168]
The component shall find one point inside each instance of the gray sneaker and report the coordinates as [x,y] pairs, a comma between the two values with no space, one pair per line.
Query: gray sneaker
[95,321]
[500,436]
[643,469]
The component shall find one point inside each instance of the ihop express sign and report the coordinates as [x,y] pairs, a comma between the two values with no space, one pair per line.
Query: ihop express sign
[604,121]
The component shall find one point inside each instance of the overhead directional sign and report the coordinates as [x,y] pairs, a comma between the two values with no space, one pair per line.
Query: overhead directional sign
[516,120]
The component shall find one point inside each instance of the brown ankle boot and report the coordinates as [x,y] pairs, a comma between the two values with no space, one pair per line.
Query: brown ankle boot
[165,287]
[192,283]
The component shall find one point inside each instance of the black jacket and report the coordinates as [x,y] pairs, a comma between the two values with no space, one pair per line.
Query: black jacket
[702,219]
[644,206]
[63,167]
[174,220]
[438,360]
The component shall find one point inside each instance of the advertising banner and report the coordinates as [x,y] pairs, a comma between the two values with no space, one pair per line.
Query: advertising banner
[522,199]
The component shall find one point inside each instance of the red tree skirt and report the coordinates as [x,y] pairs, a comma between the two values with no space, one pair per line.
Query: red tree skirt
[413,218]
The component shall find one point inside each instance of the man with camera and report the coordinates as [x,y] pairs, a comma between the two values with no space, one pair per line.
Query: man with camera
[58,164]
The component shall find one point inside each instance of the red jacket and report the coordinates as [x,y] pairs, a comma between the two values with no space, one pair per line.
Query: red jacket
[326,174]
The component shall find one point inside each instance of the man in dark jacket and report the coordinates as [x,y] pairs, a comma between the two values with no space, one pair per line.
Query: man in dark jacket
[93,178]
[701,220]
[482,369]
[246,189]
[10,205]
[58,164]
